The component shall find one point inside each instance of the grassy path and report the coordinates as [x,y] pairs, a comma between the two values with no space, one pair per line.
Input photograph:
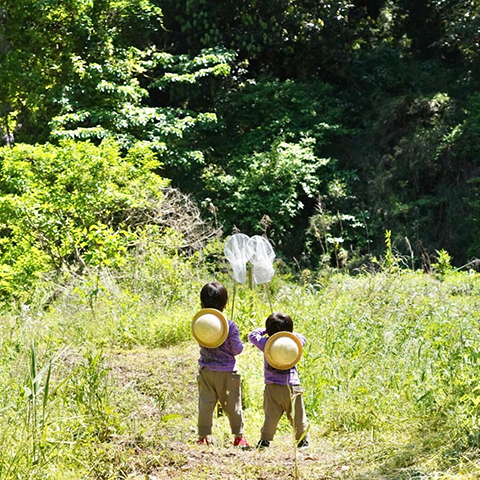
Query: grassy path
[160,443]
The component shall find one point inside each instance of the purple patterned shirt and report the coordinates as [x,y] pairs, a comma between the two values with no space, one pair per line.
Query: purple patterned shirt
[222,358]
[273,375]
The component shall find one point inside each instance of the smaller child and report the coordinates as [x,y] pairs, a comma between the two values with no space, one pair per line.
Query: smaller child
[282,387]
[217,379]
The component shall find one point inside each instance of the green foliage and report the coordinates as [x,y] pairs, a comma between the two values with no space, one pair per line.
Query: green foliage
[331,235]
[413,181]
[392,347]
[61,409]
[107,100]
[464,147]
[391,120]
[384,88]
[391,263]
[270,184]
[272,161]
[258,112]
[396,360]
[465,134]
[443,265]
[42,45]
[281,37]
[70,206]
[447,28]
[215,62]
[90,392]
[87,70]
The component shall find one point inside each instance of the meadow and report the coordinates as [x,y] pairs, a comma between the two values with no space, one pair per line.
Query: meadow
[98,380]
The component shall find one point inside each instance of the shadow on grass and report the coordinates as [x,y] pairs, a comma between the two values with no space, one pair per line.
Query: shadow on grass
[427,453]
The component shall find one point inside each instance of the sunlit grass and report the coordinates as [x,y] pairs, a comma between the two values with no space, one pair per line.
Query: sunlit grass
[104,389]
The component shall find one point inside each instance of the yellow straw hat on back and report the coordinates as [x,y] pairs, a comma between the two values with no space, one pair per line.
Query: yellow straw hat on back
[209,327]
[283,350]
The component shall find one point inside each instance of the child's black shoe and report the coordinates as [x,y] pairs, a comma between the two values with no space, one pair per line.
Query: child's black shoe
[263,444]
[303,443]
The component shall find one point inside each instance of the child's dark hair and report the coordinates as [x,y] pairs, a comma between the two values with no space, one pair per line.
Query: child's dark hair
[278,322]
[214,295]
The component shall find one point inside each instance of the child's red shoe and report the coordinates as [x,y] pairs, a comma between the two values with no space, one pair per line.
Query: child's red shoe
[241,442]
[203,441]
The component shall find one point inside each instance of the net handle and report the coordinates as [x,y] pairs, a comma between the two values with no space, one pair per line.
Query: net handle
[268,296]
[233,299]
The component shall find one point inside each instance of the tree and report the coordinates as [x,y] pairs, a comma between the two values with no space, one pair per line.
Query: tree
[285,38]
[42,43]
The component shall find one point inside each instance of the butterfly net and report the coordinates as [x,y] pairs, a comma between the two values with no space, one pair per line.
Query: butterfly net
[235,249]
[261,255]
[240,249]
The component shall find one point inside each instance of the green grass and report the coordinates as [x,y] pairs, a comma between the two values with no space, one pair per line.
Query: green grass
[106,388]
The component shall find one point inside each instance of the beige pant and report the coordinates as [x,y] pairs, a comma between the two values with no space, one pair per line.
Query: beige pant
[223,387]
[278,399]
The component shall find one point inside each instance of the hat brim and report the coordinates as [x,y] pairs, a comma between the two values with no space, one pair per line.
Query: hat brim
[224,324]
[275,363]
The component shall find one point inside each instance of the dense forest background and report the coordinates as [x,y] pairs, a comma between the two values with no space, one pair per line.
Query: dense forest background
[324,125]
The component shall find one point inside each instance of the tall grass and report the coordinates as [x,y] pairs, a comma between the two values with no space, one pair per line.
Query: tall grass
[390,355]
[392,349]
[59,409]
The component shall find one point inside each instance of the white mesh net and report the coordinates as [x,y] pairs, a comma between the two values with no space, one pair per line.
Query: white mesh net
[235,250]
[239,249]
[261,254]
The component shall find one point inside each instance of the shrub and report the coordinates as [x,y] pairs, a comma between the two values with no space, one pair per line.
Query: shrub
[69,207]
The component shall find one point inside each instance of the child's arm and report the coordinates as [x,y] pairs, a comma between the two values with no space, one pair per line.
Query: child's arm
[302,339]
[233,342]
[257,337]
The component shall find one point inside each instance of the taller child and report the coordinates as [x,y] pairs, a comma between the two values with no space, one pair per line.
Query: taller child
[217,379]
